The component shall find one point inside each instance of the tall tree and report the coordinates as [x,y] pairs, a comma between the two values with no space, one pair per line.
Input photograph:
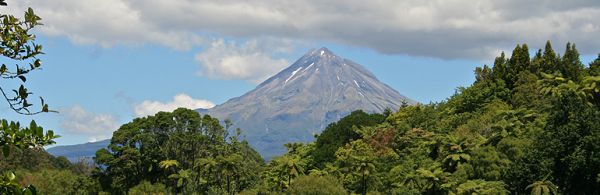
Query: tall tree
[550,60]
[340,133]
[571,66]
[594,69]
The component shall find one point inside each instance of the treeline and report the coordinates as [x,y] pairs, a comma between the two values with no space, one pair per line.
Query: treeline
[528,124]
[46,173]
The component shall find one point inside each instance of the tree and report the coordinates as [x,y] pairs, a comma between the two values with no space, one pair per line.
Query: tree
[357,161]
[179,177]
[570,139]
[340,133]
[571,66]
[543,187]
[594,69]
[14,136]
[229,166]
[550,60]
[205,168]
[482,187]
[292,166]
[518,62]
[149,149]
[432,177]
[364,166]
[457,154]
[17,44]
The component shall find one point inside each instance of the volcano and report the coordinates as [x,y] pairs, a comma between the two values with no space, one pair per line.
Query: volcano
[300,101]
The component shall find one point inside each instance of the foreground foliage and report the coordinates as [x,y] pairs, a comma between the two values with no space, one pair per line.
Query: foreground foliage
[18,47]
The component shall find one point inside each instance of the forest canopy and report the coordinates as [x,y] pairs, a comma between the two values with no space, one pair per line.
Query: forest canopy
[530,123]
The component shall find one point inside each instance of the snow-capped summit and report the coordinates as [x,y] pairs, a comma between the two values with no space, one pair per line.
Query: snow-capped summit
[298,102]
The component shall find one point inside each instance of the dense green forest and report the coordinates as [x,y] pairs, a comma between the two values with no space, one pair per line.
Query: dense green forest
[526,125]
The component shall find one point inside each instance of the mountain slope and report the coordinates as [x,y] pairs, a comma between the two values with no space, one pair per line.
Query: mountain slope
[298,102]
[78,152]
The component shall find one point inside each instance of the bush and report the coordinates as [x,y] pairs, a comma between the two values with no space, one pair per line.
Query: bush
[146,187]
[310,184]
[51,181]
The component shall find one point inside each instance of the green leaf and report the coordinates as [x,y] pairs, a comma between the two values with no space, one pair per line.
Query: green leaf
[37,63]
[11,176]
[33,125]
[6,150]
[180,182]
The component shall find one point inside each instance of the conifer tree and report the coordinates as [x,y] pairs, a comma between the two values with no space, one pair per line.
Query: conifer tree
[571,67]
[550,59]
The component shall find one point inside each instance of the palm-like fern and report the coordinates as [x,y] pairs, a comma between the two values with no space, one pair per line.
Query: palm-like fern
[543,187]
[166,164]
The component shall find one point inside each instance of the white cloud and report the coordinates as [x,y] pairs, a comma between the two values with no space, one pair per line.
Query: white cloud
[77,120]
[180,100]
[249,61]
[442,29]
[103,22]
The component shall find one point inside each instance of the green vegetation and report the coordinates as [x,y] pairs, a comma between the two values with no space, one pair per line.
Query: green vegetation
[17,45]
[526,125]
[315,185]
[182,150]
[49,174]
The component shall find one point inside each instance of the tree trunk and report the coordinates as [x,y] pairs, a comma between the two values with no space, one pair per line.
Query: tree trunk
[289,181]
[280,180]
[228,185]
[364,184]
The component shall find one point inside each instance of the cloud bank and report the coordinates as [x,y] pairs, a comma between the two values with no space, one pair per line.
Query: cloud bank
[432,28]
[148,107]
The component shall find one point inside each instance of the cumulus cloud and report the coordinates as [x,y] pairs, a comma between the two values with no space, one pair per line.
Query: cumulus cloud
[180,100]
[104,23]
[441,29]
[248,61]
[96,126]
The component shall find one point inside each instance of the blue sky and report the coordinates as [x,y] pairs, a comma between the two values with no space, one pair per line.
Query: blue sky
[114,60]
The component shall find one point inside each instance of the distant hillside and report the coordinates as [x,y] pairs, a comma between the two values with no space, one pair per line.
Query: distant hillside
[76,152]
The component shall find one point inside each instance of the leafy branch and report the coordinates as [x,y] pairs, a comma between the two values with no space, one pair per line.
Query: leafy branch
[18,44]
